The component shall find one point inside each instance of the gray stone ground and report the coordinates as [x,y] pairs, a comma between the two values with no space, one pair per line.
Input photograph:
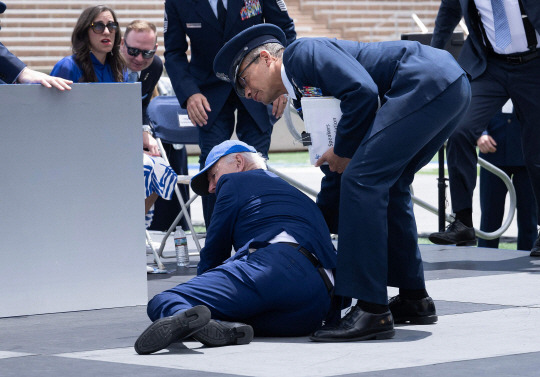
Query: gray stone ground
[488,302]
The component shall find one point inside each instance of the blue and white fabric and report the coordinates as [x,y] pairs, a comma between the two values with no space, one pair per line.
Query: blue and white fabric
[159,178]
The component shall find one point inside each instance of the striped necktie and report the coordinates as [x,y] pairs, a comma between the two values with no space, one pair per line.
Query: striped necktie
[502,30]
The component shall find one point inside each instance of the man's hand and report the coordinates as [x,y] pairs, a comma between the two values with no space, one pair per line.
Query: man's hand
[29,76]
[197,106]
[279,106]
[335,163]
[486,144]
[151,144]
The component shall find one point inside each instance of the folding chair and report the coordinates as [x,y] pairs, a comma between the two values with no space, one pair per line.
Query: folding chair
[164,112]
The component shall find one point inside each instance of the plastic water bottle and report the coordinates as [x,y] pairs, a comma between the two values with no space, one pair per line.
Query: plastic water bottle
[180,245]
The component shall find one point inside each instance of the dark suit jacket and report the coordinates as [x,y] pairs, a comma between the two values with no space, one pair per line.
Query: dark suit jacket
[10,66]
[253,207]
[473,53]
[196,20]
[149,78]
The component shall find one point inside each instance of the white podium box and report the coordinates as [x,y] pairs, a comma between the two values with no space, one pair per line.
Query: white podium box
[321,117]
[72,199]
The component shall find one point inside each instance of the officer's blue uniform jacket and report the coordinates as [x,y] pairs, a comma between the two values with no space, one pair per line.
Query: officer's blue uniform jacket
[196,20]
[404,76]
[423,94]
[10,66]
[252,208]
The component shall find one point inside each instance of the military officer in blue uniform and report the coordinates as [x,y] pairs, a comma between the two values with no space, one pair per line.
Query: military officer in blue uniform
[211,103]
[501,146]
[278,282]
[13,70]
[400,101]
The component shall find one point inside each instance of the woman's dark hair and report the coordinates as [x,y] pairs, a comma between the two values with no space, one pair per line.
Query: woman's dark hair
[80,43]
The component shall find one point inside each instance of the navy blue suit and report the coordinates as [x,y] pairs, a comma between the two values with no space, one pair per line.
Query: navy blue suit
[275,289]
[423,94]
[149,78]
[504,128]
[196,20]
[10,66]
[165,211]
[493,82]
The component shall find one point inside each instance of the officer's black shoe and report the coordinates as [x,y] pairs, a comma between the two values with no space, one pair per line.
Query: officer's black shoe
[456,233]
[535,252]
[418,312]
[222,333]
[167,330]
[357,325]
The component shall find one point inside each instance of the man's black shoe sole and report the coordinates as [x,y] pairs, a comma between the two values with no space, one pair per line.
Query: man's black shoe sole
[165,331]
[416,320]
[441,241]
[377,336]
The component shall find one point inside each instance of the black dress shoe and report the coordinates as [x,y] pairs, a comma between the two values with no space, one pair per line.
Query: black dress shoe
[535,251]
[222,333]
[165,331]
[357,325]
[419,312]
[456,233]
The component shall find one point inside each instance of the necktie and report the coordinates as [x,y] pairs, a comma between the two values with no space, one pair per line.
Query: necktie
[133,77]
[222,14]
[502,30]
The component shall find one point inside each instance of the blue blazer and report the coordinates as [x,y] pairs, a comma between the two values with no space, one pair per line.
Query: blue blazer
[10,66]
[403,75]
[252,208]
[196,20]
[473,54]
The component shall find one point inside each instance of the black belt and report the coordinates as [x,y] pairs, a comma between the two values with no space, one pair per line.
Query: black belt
[519,58]
[316,263]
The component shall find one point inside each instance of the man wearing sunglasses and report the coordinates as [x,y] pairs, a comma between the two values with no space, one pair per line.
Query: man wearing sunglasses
[211,104]
[138,47]
[13,70]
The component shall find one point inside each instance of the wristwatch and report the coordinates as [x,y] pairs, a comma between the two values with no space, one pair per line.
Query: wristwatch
[147,128]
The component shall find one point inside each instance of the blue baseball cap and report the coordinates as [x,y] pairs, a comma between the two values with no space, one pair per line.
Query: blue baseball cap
[199,183]
[2,7]
[230,57]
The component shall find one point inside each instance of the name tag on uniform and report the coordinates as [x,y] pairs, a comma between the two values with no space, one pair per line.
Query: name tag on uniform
[184,121]
[251,9]
[195,25]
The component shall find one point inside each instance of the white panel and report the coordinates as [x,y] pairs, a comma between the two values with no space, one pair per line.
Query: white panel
[72,198]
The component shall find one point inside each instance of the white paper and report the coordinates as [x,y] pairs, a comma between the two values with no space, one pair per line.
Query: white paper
[321,117]
[184,121]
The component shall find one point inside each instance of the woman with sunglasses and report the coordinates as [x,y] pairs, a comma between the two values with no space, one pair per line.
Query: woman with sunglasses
[96,49]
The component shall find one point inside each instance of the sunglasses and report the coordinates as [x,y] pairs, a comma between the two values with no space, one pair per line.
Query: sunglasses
[146,54]
[99,27]
[241,81]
